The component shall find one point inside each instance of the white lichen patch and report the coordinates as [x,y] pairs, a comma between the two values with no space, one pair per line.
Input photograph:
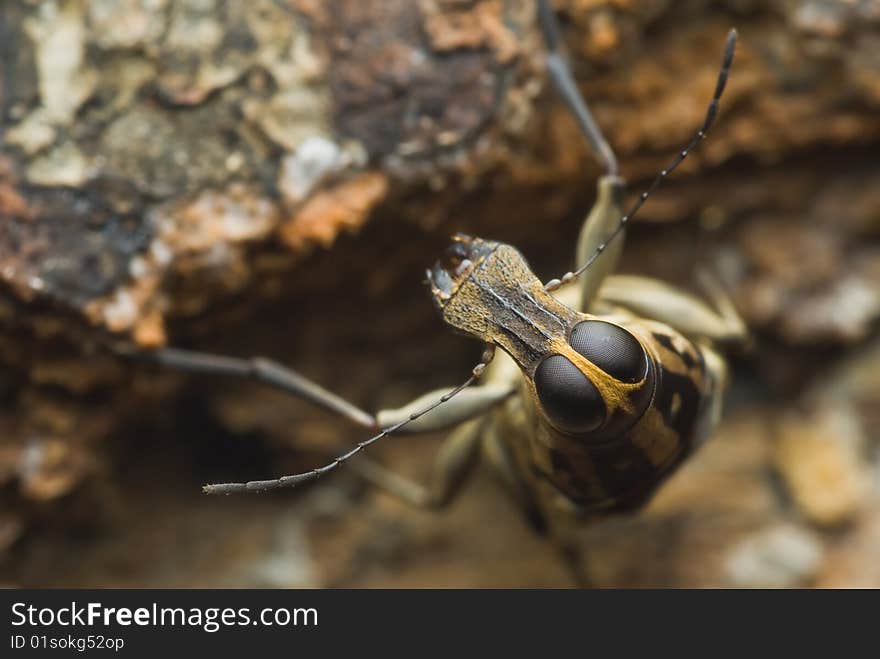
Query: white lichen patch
[290,116]
[160,252]
[299,109]
[120,24]
[57,30]
[305,168]
[63,165]
[33,133]
[294,65]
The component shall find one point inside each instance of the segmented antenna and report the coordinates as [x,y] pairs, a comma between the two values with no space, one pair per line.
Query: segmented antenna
[711,112]
[296,479]
[560,72]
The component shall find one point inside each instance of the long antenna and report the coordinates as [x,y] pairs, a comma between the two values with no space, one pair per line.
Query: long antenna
[711,112]
[560,73]
[296,479]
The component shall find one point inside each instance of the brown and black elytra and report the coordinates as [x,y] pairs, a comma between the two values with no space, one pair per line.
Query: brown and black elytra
[599,390]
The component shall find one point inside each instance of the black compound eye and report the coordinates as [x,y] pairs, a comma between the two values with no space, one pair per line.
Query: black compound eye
[611,348]
[569,399]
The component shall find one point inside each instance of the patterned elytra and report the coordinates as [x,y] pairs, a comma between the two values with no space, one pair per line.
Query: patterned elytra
[569,399]
[611,348]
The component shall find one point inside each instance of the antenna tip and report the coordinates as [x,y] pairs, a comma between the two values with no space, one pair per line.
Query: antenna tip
[732,36]
[729,48]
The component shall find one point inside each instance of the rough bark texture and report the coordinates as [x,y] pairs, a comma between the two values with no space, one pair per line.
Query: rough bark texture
[273,177]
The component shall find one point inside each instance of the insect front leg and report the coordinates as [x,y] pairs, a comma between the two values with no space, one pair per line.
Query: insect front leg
[460,451]
[598,248]
[468,404]
[281,377]
[599,224]
[499,381]
[604,220]
[259,369]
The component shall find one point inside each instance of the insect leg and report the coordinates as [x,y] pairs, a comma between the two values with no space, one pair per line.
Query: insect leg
[688,314]
[560,73]
[503,462]
[606,213]
[719,297]
[292,480]
[453,464]
[265,371]
[716,369]
[572,556]
[711,112]
[500,457]
[468,404]
[602,220]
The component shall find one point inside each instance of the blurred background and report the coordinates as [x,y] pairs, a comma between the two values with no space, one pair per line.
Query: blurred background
[273,177]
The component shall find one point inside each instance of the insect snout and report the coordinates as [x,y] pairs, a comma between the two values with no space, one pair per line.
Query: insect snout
[456,264]
[599,385]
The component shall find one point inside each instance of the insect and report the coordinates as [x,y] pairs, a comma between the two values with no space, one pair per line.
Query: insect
[599,390]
